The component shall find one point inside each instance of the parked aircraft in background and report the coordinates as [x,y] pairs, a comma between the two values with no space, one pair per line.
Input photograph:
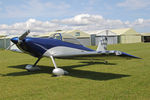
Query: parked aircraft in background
[62,46]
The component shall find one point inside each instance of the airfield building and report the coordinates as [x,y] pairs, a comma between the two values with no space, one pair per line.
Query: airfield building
[115,36]
[145,37]
[127,35]
[5,42]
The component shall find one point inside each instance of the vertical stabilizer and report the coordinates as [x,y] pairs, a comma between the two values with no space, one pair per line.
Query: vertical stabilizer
[102,46]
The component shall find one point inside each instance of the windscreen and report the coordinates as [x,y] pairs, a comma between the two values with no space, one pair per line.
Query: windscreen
[65,37]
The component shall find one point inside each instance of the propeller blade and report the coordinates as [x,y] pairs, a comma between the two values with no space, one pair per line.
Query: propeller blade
[24,35]
[10,46]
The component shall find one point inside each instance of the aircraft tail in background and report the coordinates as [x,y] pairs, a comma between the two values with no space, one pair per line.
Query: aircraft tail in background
[102,46]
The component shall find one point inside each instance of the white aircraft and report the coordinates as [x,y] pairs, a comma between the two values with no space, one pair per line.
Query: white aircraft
[61,46]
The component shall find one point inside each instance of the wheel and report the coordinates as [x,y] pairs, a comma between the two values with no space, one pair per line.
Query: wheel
[105,62]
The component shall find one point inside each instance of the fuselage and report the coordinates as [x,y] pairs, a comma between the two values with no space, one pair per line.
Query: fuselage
[48,46]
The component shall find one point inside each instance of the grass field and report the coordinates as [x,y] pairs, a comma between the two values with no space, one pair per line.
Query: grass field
[118,80]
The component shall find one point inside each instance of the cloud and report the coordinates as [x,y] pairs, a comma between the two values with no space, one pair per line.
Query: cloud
[34,25]
[139,21]
[134,4]
[84,22]
[80,20]
[90,22]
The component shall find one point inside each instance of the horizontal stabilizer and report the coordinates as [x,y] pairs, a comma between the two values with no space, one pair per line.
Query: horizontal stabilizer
[119,53]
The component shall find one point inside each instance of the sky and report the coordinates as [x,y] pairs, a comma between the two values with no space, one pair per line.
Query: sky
[41,16]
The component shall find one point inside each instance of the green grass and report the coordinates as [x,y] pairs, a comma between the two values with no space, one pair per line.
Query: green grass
[118,80]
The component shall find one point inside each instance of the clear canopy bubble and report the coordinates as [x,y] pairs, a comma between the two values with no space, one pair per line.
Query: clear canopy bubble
[65,37]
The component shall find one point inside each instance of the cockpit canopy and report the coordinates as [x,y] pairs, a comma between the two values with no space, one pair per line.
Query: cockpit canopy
[65,37]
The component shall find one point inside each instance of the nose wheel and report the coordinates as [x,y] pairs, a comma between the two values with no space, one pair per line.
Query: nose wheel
[33,67]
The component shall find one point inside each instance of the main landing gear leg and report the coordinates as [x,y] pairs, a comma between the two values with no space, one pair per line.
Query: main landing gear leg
[34,67]
[57,71]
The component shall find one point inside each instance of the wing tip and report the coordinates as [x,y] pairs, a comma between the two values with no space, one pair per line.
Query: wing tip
[126,54]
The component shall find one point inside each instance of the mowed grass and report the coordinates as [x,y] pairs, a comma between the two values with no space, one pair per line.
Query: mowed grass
[118,80]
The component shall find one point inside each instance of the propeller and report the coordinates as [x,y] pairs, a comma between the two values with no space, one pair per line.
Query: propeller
[24,35]
[19,40]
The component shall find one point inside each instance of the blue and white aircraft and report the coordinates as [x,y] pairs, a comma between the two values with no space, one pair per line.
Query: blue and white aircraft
[60,46]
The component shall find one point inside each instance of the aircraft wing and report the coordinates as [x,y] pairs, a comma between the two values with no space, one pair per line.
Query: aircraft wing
[123,54]
[97,55]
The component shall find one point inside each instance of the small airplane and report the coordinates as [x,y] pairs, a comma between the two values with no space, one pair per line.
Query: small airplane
[62,46]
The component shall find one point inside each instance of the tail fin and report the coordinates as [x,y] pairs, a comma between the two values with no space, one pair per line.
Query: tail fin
[102,46]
